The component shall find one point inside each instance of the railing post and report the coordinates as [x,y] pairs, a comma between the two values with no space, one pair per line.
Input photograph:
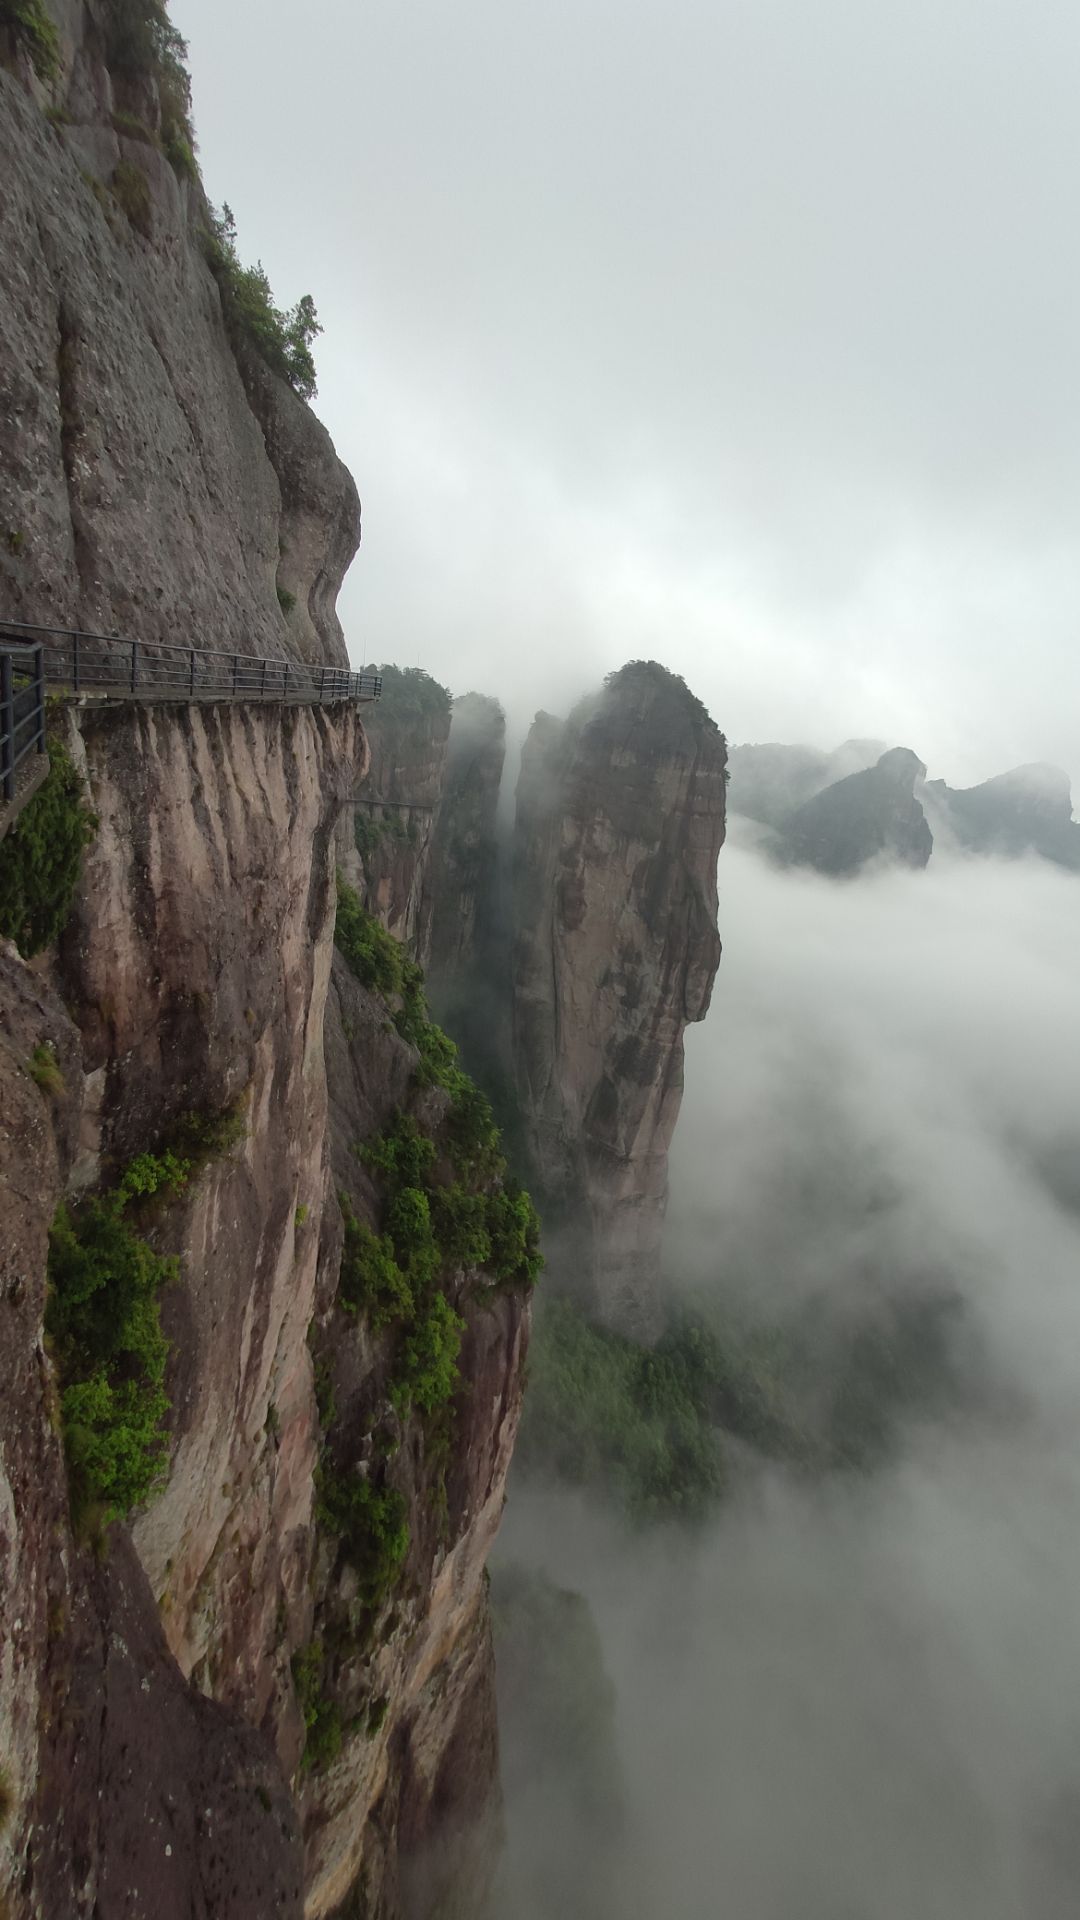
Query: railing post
[75,659]
[285,681]
[39,686]
[7,727]
[322,686]
[134,663]
[235,671]
[191,676]
[262,690]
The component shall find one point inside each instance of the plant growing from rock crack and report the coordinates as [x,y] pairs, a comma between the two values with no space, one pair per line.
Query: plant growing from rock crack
[41,857]
[30,25]
[44,1070]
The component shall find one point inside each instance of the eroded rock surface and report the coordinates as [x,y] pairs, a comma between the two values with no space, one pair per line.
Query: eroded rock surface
[465,859]
[397,806]
[872,815]
[150,482]
[620,818]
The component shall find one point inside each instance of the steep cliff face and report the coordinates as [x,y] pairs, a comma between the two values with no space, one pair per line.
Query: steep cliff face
[409,1808]
[872,815]
[620,819]
[156,1708]
[154,479]
[397,806]
[196,967]
[465,856]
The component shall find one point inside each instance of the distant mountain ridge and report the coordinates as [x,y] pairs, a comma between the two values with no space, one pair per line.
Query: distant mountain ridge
[840,811]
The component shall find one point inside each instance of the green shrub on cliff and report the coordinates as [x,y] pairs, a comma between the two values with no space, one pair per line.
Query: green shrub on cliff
[604,1412]
[322,1717]
[103,1321]
[41,857]
[142,43]
[283,339]
[31,26]
[371,954]
[371,1524]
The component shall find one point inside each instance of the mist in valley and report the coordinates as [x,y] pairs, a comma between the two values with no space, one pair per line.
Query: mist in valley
[848,1694]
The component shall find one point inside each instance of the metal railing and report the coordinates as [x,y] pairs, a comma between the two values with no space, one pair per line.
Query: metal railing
[22,711]
[77,662]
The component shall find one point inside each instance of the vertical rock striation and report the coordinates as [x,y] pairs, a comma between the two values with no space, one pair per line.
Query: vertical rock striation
[620,819]
[464,874]
[154,478]
[397,805]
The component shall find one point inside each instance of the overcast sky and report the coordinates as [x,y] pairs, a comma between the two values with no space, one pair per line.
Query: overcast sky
[740,334]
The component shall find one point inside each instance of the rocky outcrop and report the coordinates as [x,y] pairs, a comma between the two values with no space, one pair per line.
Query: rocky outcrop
[413,1805]
[1028,810]
[151,1722]
[872,815]
[620,818]
[769,783]
[397,805]
[465,859]
[151,482]
[196,967]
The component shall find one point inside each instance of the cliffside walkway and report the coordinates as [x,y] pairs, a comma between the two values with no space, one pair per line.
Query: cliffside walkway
[36,662]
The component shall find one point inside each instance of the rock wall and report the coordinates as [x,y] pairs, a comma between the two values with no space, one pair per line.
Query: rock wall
[149,1720]
[195,968]
[620,819]
[465,859]
[151,482]
[397,806]
[871,815]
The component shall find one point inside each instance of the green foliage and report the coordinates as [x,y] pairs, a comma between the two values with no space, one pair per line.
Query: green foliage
[371,954]
[286,600]
[44,1071]
[427,1367]
[377,1713]
[371,1525]
[410,694]
[300,1217]
[283,339]
[371,1281]
[372,830]
[30,24]
[322,1718]
[132,128]
[604,1412]
[402,1154]
[141,43]
[41,858]
[131,191]
[152,1173]
[103,1321]
[206,1135]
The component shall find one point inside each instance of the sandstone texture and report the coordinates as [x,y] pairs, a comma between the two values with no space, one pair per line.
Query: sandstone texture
[465,860]
[151,482]
[196,968]
[397,806]
[150,1721]
[873,815]
[620,819]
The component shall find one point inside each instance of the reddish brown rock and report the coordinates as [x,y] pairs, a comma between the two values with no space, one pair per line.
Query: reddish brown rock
[620,818]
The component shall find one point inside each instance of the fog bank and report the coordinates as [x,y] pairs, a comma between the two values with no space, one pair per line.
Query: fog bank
[852,1697]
